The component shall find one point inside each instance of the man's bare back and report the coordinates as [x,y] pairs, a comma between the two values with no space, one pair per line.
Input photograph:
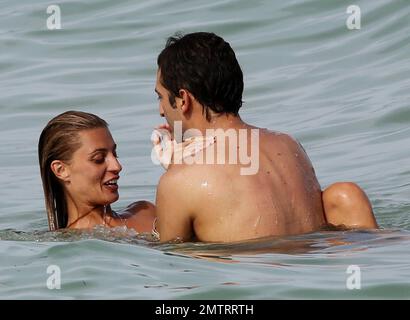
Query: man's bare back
[217,203]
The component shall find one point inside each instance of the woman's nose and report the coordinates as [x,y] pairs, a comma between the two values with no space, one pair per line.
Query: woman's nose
[115,165]
[161,110]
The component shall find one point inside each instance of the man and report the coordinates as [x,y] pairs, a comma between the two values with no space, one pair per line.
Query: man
[199,86]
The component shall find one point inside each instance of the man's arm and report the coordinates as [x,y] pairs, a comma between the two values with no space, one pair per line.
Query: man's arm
[174,220]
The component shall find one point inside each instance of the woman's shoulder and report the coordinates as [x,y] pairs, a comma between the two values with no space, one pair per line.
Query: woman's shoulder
[139,215]
[140,206]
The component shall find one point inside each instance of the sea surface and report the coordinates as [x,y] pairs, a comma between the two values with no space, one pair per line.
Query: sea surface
[344,94]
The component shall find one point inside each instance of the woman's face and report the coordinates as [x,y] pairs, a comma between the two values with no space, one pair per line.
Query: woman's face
[94,169]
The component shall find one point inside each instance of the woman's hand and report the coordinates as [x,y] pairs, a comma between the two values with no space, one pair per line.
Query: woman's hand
[168,151]
[163,142]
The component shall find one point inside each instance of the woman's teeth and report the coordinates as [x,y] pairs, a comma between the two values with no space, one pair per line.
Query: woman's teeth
[111,182]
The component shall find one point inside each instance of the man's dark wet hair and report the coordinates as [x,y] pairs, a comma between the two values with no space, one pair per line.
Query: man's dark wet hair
[205,65]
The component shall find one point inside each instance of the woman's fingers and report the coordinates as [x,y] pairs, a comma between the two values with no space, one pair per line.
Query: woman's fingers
[163,146]
[164,126]
[167,127]
[168,151]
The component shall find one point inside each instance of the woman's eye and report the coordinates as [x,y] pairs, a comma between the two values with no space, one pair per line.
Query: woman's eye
[98,160]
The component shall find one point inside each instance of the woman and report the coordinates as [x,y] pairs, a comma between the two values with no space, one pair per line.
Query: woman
[80,171]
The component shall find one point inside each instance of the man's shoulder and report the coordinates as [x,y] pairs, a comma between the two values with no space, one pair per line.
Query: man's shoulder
[182,180]
[181,172]
[180,177]
[277,135]
[278,139]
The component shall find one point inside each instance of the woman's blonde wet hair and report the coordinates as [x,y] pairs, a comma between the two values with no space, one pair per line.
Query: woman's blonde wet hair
[58,141]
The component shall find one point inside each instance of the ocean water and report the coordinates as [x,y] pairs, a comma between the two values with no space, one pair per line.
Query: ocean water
[344,94]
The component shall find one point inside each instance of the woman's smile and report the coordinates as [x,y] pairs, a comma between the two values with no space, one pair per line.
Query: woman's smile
[112,184]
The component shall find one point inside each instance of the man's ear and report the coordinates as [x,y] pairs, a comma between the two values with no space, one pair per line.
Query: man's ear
[60,170]
[185,100]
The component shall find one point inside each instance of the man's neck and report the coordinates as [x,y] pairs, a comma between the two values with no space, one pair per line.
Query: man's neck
[219,121]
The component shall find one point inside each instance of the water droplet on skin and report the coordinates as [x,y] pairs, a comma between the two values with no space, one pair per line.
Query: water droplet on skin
[204,184]
[257,222]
